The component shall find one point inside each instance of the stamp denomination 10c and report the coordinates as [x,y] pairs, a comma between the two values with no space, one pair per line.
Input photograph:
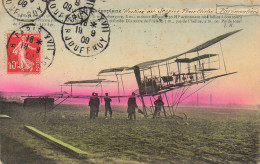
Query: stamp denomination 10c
[23,52]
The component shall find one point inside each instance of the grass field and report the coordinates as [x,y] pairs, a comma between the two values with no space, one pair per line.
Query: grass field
[210,135]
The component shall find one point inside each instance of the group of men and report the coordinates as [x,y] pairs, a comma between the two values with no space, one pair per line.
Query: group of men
[94,103]
[132,106]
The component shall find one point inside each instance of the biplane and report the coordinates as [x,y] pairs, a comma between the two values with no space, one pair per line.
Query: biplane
[158,77]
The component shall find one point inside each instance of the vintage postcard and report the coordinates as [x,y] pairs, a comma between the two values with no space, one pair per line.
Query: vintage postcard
[141,81]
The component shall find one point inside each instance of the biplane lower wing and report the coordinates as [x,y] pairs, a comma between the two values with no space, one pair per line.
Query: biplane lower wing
[50,95]
[88,96]
[74,96]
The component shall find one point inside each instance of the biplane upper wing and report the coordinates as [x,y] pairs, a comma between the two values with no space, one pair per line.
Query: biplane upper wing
[117,69]
[196,49]
[212,41]
[153,62]
[89,81]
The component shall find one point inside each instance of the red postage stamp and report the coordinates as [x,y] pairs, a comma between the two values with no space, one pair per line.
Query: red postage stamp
[24,52]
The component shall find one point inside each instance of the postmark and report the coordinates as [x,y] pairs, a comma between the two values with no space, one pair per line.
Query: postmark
[25,10]
[24,52]
[46,44]
[70,12]
[88,38]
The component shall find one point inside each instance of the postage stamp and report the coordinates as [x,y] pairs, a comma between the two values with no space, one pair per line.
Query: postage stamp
[24,52]
[88,38]
[76,10]
[31,49]
[25,10]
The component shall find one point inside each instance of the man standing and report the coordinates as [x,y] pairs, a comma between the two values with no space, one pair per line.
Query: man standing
[158,105]
[107,105]
[131,106]
[92,106]
[97,103]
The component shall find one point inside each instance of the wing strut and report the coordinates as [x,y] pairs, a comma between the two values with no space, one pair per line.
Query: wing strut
[145,91]
[223,57]
[152,110]
[152,77]
[197,90]
[167,68]
[144,107]
[182,93]
[123,84]
[117,87]
[160,74]
[59,103]
[101,91]
[71,89]
[168,103]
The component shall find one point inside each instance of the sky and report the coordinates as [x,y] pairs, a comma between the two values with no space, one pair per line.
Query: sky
[133,43]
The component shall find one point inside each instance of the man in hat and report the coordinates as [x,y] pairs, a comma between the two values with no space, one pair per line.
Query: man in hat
[131,106]
[97,103]
[92,106]
[158,105]
[107,105]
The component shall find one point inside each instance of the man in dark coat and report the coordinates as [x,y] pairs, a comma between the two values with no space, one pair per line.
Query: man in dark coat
[158,105]
[131,106]
[92,106]
[107,105]
[97,103]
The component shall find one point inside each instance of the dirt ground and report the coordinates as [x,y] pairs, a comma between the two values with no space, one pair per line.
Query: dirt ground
[209,136]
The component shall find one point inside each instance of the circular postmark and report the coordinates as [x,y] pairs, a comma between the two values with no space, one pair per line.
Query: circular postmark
[30,49]
[88,38]
[25,10]
[70,11]
[47,42]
